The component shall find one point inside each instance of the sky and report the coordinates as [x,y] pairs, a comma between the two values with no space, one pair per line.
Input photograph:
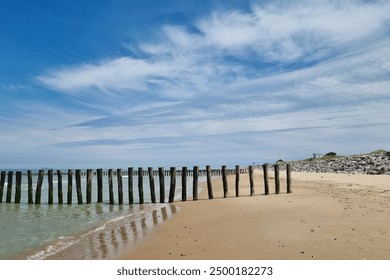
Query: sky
[89,84]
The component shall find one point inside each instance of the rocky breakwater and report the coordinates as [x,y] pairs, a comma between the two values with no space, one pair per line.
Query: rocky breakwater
[373,163]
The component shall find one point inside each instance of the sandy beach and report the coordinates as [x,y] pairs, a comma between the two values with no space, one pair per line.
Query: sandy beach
[328,216]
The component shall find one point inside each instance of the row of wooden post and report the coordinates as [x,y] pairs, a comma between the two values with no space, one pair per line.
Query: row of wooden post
[201,172]
[161,173]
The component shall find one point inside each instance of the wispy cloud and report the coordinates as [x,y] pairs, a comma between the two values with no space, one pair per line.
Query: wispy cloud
[230,46]
[310,75]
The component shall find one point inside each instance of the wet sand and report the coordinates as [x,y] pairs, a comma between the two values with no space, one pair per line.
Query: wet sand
[328,216]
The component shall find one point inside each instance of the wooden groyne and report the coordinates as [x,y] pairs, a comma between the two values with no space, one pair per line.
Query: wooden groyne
[89,174]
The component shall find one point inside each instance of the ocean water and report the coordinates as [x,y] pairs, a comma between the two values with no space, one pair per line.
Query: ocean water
[39,231]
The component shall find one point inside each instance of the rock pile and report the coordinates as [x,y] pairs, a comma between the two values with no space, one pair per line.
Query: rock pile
[374,163]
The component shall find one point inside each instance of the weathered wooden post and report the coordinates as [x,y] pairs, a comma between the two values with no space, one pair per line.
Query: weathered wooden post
[277,179]
[9,186]
[120,186]
[50,186]
[195,183]
[251,183]
[184,184]
[288,170]
[38,190]
[173,185]
[30,186]
[78,187]
[237,180]
[110,187]
[130,185]
[59,184]
[70,187]
[2,182]
[266,180]
[89,186]
[99,174]
[140,185]
[224,182]
[151,185]
[209,184]
[161,174]
[18,187]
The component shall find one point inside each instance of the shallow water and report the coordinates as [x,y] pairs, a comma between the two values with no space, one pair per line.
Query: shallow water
[25,226]
[38,231]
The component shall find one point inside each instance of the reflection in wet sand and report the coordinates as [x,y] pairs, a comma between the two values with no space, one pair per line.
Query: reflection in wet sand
[118,236]
[164,213]
[155,220]
[113,240]
[123,233]
[102,244]
[133,227]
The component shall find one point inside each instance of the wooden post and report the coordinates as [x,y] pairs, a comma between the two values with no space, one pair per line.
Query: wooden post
[195,183]
[2,182]
[184,184]
[237,180]
[251,183]
[161,177]
[277,180]
[89,186]
[266,181]
[50,186]
[130,184]
[173,185]
[99,173]
[9,186]
[288,170]
[120,186]
[18,187]
[38,190]
[140,185]
[78,187]
[110,187]
[70,182]
[151,185]
[59,184]
[30,186]
[225,182]
[209,184]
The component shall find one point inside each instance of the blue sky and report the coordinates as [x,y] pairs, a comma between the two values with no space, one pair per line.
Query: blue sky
[171,83]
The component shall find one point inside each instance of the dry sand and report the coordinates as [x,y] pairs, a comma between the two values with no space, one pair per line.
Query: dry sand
[328,216]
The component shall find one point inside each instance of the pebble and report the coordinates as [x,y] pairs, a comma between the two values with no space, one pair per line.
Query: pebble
[365,164]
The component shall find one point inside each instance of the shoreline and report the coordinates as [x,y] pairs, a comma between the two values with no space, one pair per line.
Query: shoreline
[96,220]
[106,239]
[327,216]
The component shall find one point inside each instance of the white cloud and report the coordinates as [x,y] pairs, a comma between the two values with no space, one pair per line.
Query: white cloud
[115,74]
[180,63]
[290,32]
[274,78]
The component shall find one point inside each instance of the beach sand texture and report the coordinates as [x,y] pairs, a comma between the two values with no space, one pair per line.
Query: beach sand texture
[328,216]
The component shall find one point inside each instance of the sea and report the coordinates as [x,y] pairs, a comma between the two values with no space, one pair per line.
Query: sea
[38,231]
